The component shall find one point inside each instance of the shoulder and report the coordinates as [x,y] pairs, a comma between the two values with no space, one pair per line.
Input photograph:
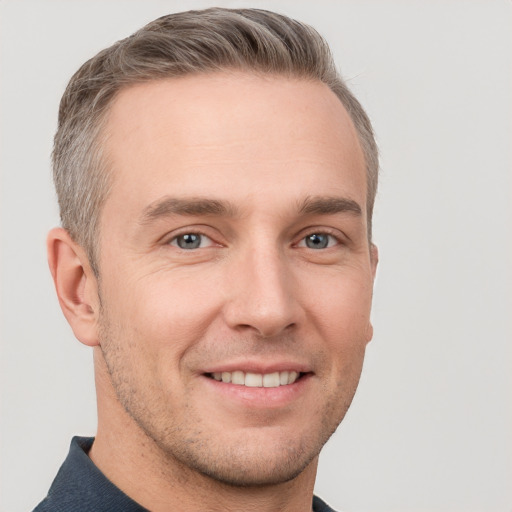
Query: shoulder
[320,505]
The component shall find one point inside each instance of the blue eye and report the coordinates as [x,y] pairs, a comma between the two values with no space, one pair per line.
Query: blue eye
[189,241]
[318,241]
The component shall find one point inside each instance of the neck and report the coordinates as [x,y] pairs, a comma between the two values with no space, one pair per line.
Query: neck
[157,481]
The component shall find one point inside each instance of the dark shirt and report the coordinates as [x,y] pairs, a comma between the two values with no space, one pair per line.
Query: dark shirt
[81,487]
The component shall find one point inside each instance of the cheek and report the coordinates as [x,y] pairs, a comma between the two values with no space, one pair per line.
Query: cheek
[341,318]
[342,307]
[165,312]
[150,325]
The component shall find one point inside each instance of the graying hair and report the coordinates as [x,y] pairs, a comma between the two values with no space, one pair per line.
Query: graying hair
[175,45]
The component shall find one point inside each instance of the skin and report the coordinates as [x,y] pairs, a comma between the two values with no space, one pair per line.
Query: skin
[252,166]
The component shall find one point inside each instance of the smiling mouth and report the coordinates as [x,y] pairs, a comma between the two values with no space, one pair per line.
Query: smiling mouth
[257,380]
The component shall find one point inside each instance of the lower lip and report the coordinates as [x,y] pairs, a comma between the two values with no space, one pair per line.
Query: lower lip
[268,398]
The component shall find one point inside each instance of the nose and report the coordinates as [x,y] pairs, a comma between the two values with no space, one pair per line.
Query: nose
[262,296]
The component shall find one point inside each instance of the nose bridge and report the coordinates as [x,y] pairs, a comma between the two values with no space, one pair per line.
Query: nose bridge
[262,295]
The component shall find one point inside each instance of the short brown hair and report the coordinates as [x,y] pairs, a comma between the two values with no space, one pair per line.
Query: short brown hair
[175,45]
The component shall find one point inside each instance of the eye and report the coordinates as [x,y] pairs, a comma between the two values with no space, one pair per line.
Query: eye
[190,241]
[318,241]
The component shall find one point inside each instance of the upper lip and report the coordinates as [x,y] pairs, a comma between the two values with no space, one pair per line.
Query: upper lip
[259,367]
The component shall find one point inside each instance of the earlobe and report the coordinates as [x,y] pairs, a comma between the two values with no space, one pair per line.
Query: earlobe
[75,284]
[369,332]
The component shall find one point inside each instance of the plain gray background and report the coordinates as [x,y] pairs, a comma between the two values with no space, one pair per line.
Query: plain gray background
[430,428]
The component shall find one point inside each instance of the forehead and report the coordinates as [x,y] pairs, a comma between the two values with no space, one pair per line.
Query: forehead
[228,134]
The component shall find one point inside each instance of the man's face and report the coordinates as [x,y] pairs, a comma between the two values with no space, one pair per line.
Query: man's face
[236,274]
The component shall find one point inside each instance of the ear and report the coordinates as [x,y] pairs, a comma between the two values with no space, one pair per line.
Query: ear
[76,285]
[374,261]
[374,258]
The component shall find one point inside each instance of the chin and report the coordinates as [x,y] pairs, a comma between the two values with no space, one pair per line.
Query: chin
[249,466]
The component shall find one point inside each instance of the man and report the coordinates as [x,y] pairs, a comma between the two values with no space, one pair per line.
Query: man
[216,181]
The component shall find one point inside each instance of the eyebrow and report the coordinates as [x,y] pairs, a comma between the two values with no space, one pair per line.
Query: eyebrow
[168,206]
[327,205]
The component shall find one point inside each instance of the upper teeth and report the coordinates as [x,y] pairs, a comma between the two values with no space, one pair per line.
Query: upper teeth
[257,380]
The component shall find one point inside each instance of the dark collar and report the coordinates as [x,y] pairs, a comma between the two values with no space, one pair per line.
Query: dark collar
[81,487]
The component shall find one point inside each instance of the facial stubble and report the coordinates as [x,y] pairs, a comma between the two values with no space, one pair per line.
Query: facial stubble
[185,448]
